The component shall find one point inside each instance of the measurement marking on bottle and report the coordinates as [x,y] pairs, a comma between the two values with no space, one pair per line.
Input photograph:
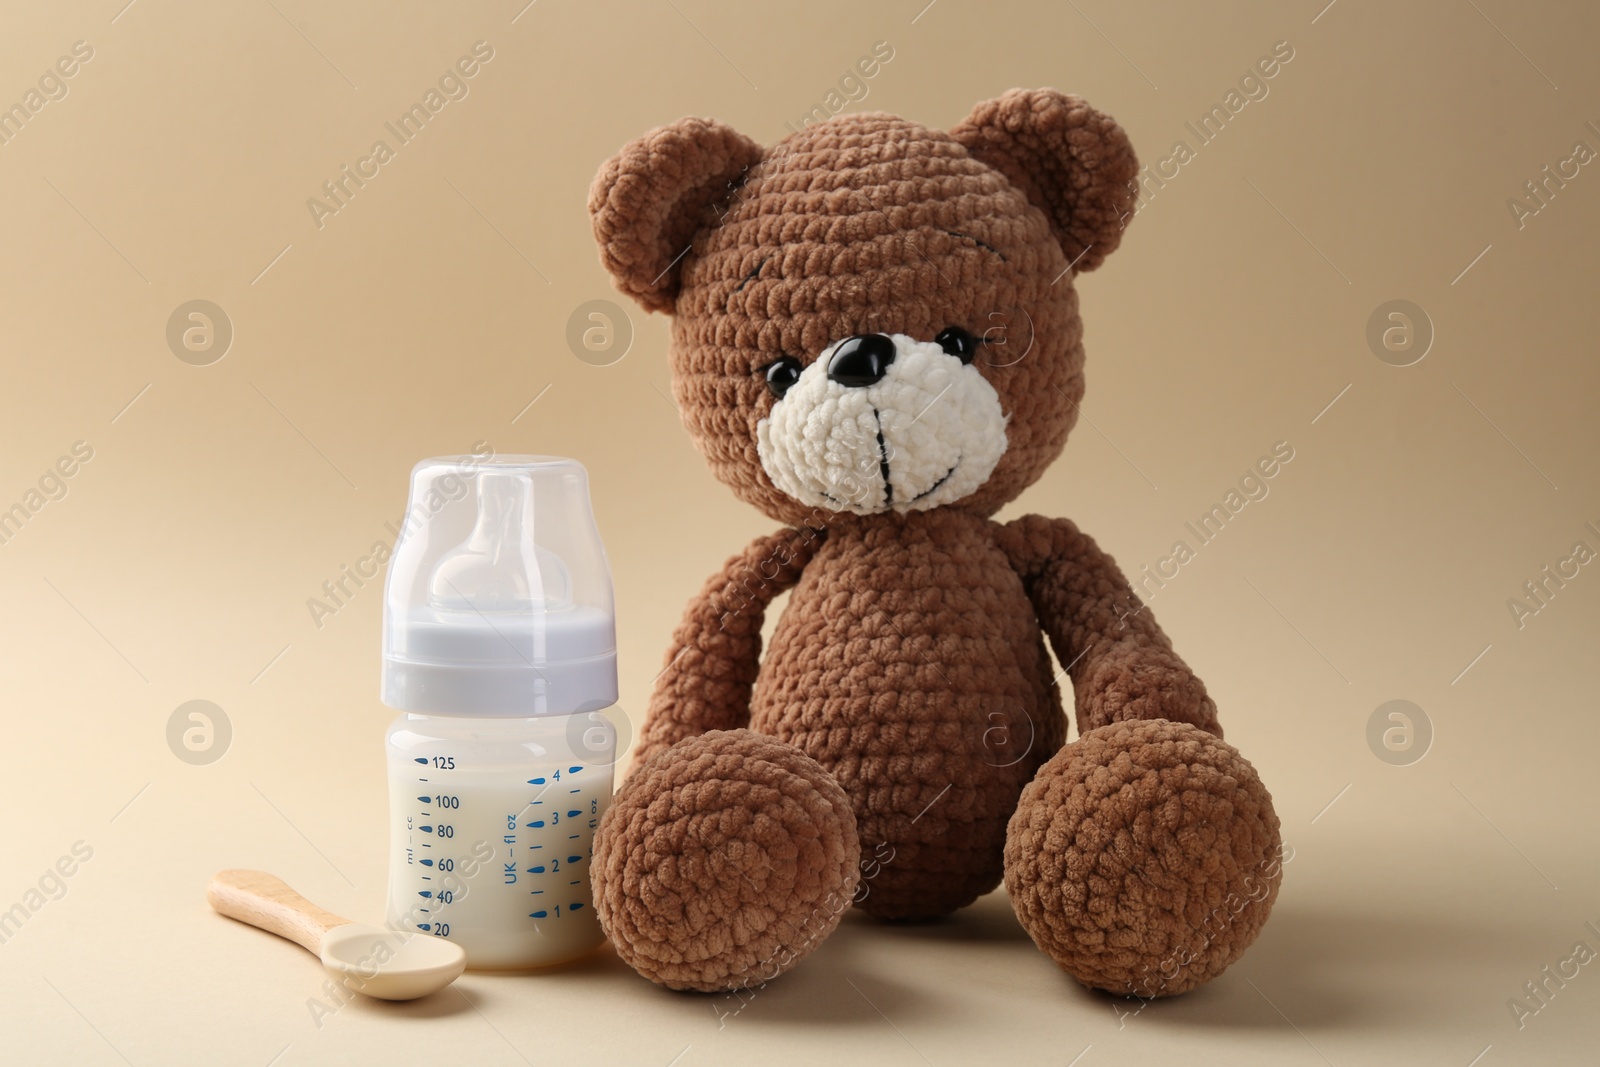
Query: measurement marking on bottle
[476,805]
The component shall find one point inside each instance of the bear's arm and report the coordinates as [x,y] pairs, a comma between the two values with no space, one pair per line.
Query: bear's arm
[1122,665]
[716,649]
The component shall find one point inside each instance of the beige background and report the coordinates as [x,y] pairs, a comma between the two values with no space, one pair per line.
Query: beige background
[427,313]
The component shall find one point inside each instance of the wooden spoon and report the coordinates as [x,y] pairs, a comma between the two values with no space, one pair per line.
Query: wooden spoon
[387,964]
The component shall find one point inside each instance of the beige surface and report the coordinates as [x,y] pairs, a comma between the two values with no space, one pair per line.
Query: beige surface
[429,311]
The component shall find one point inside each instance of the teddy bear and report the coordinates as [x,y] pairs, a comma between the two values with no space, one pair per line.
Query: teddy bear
[876,341]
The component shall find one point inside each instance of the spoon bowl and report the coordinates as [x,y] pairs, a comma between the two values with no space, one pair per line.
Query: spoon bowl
[391,964]
[387,964]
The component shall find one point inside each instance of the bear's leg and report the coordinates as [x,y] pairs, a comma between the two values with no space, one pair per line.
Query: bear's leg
[724,860]
[1144,857]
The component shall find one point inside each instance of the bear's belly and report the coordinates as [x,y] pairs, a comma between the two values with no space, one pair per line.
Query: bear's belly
[910,665]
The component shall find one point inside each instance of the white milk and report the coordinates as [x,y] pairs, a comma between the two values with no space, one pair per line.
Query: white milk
[492,835]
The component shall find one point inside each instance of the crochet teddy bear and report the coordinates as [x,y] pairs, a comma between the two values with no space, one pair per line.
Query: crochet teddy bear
[876,341]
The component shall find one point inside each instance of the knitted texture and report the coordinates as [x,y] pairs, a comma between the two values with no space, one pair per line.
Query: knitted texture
[723,861]
[1084,192]
[906,699]
[869,223]
[1122,664]
[647,202]
[1144,858]
[909,665]
[711,664]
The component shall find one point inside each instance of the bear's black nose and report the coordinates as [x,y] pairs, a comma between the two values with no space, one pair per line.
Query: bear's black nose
[861,360]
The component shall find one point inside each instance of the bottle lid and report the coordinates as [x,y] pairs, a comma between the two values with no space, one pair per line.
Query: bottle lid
[498,601]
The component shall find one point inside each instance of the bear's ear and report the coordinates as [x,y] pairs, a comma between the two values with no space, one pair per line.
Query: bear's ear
[651,199]
[1074,163]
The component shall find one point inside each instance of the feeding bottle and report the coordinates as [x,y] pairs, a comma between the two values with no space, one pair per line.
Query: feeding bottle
[499,649]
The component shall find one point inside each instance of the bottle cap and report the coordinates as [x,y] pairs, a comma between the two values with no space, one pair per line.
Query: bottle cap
[498,601]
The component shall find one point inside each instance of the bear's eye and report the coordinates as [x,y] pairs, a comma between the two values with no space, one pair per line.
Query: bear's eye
[781,373]
[958,342]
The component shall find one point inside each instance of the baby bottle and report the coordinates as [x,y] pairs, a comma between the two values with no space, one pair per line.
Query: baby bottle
[499,648]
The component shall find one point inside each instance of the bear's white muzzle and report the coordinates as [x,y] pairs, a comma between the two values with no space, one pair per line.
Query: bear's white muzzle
[927,432]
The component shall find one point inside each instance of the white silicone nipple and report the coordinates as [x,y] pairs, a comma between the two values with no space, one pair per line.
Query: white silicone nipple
[498,568]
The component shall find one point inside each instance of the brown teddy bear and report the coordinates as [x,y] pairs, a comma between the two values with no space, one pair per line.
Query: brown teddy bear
[876,341]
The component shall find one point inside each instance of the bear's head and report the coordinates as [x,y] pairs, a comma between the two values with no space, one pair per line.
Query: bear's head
[873,316]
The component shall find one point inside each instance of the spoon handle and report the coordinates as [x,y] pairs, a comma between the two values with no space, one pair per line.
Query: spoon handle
[266,901]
